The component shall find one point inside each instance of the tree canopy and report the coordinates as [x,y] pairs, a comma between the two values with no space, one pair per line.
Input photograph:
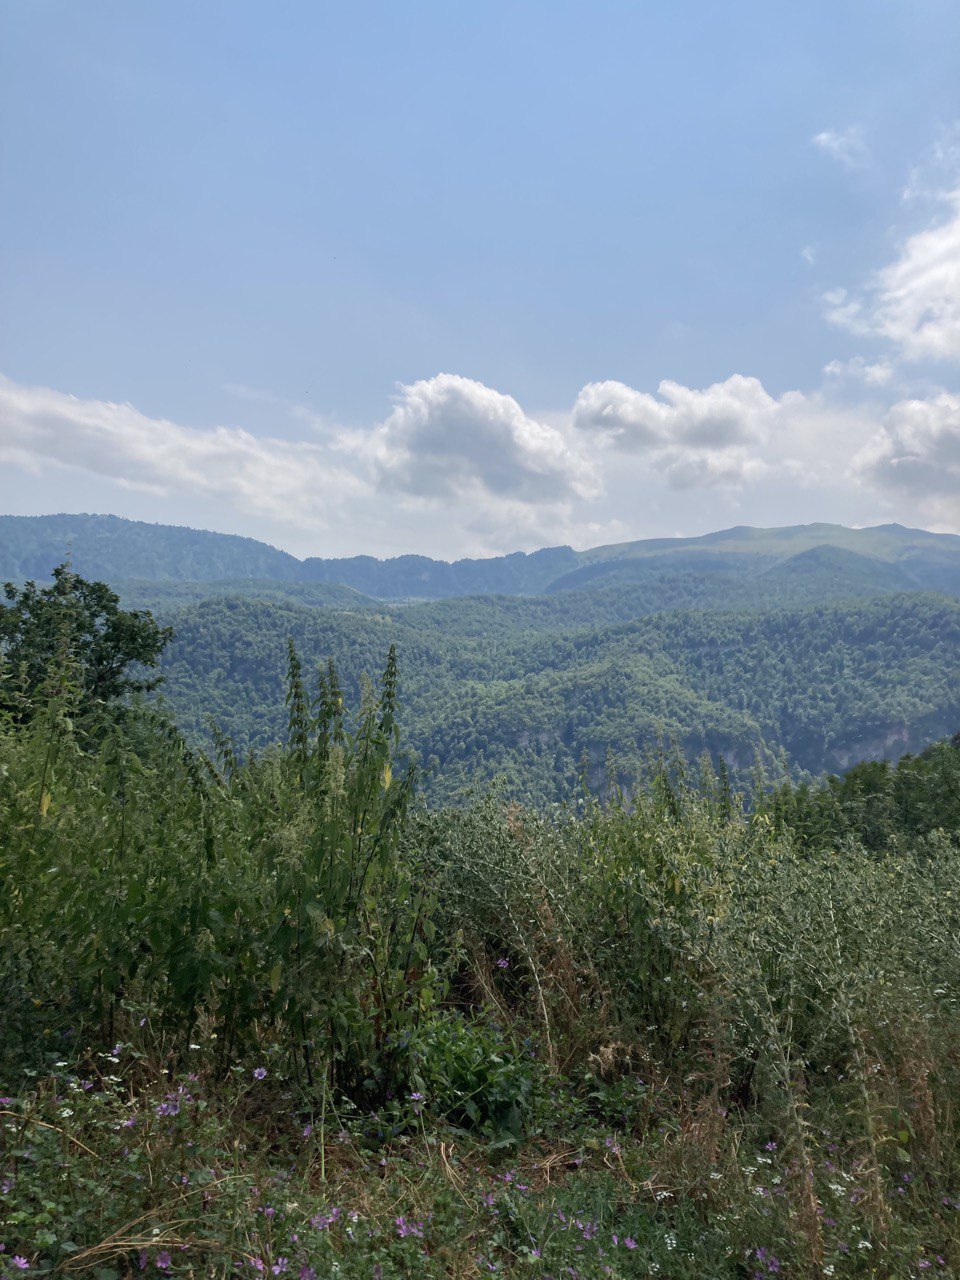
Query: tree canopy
[76,630]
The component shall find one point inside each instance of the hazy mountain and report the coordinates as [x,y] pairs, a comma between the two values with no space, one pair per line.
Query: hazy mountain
[886,558]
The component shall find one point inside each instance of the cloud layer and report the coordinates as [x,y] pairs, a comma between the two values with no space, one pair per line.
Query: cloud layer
[457,467]
[41,427]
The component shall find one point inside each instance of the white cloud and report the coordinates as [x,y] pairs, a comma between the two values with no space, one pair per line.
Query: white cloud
[291,408]
[453,454]
[808,254]
[917,454]
[457,468]
[844,145]
[914,302]
[449,436]
[875,374]
[726,413]
[275,478]
[696,438]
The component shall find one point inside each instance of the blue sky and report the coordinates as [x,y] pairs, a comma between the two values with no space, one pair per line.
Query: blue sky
[459,278]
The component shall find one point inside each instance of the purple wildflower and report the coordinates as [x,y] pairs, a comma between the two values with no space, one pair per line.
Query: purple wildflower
[163,1261]
[320,1221]
[503,963]
[260,1073]
[405,1228]
[20,1262]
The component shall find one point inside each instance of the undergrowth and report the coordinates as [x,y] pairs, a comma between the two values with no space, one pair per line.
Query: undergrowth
[272,1017]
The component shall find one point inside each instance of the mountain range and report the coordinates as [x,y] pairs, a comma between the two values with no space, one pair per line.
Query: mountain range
[805,648]
[888,557]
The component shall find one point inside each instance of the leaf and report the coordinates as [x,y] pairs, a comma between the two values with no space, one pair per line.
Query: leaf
[44,803]
[276,973]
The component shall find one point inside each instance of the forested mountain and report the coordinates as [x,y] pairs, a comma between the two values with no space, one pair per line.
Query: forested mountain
[809,648]
[110,548]
[886,558]
[829,684]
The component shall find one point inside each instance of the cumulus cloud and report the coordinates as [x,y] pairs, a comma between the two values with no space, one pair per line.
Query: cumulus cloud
[732,412]
[449,436]
[914,302]
[917,453]
[844,145]
[696,437]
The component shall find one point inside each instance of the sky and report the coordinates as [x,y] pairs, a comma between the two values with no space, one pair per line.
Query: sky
[462,279]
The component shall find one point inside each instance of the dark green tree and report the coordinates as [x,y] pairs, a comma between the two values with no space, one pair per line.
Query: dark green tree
[74,627]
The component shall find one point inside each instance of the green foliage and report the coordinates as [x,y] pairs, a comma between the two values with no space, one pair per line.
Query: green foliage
[879,804]
[828,685]
[273,894]
[268,1016]
[74,630]
[470,1074]
[807,649]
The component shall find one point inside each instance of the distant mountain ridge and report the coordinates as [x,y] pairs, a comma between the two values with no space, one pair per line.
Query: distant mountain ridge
[886,558]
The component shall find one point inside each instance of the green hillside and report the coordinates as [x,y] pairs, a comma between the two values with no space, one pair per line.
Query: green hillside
[817,645]
[829,684]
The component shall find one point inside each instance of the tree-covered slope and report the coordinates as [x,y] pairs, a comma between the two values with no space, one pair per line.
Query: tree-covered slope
[111,549]
[830,684]
[162,597]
